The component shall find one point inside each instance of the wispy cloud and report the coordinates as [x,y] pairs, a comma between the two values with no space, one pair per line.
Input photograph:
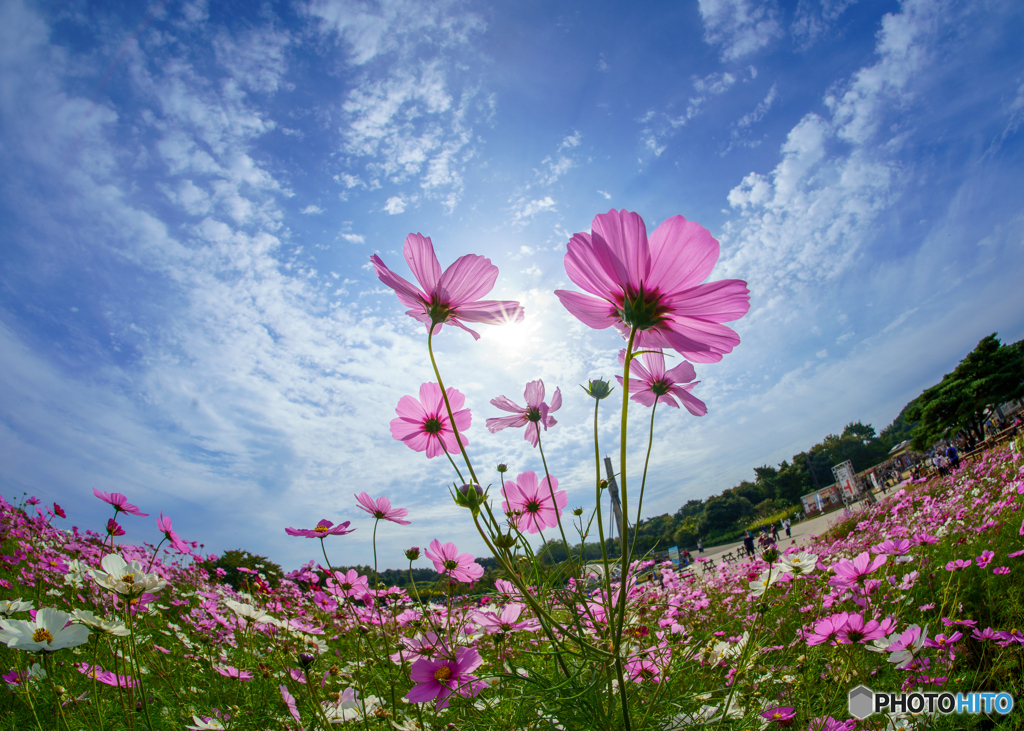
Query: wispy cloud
[739,27]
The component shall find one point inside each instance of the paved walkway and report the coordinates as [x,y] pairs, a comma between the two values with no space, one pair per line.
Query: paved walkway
[802,533]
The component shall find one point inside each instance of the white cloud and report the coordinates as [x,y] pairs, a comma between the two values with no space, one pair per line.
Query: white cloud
[821,354]
[311,210]
[395,205]
[815,18]
[524,210]
[739,27]
[607,196]
[355,238]
[256,59]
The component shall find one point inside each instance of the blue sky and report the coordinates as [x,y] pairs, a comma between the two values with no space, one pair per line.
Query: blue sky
[191,193]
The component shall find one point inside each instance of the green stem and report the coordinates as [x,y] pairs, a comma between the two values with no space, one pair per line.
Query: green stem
[155,552]
[643,482]
[554,504]
[448,406]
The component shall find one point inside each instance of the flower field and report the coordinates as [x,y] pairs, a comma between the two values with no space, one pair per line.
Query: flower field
[921,591]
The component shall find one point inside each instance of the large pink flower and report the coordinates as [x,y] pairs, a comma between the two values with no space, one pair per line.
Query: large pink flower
[424,426]
[381,509]
[654,285]
[532,498]
[654,383]
[164,524]
[438,678]
[449,297]
[120,503]
[535,414]
[322,530]
[849,573]
[447,560]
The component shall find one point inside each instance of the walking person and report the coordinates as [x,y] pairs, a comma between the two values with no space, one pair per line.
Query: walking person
[788,525]
[748,544]
[953,457]
[775,533]
[700,546]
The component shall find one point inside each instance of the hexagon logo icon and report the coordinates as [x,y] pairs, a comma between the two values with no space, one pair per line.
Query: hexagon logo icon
[861,702]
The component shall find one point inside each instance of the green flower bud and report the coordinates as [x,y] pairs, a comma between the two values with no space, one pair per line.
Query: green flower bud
[504,541]
[598,389]
[470,497]
[577,511]
[502,468]
[412,553]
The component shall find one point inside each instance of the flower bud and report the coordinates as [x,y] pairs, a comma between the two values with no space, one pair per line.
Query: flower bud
[471,497]
[771,555]
[577,512]
[604,484]
[503,468]
[305,659]
[412,553]
[504,541]
[598,389]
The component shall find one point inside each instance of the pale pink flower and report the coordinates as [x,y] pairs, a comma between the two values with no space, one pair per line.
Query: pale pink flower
[438,678]
[507,620]
[381,509]
[857,631]
[654,285]
[451,297]
[653,383]
[349,584]
[641,669]
[323,529]
[424,426]
[120,503]
[231,672]
[164,525]
[447,560]
[825,628]
[535,414]
[532,498]
[957,564]
[289,700]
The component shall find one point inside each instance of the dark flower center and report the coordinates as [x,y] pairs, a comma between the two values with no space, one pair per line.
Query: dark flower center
[642,310]
[443,673]
[432,425]
[439,312]
[532,507]
[533,415]
[855,636]
[42,635]
[659,388]
[451,565]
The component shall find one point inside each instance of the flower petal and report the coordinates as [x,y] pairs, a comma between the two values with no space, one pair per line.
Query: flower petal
[468,279]
[593,312]
[683,253]
[625,234]
[419,255]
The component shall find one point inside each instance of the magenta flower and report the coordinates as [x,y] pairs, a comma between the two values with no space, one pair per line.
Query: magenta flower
[451,297]
[958,564]
[381,509]
[857,631]
[985,634]
[532,416]
[852,572]
[654,286]
[447,560]
[654,383]
[825,628]
[505,621]
[641,669]
[231,672]
[984,559]
[164,526]
[532,499]
[783,715]
[424,426]
[59,511]
[120,503]
[323,529]
[438,678]
[113,529]
[1001,571]
[893,548]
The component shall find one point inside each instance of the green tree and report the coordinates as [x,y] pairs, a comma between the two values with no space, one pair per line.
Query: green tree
[990,375]
[231,561]
[724,511]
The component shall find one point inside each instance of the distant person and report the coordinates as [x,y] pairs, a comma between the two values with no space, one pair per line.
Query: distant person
[748,544]
[953,457]
[686,557]
[788,525]
[775,532]
[700,546]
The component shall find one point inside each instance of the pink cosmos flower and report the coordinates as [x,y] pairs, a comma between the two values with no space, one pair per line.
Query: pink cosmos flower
[1001,570]
[533,500]
[984,559]
[59,511]
[164,526]
[654,285]
[852,572]
[958,564]
[505,621]
[828,723]
[783,715]
[289,700]
[447,560]
[893,548]
[857,631]
[113,529]
[535,414]
[438,678]
[423,425]
[381,509]
[1015,554]
[826,628]
[985,634]
[641,669]
[1012,635]
[654,383]
[349,584]
[105,676]
[322,530]
[449,297]
[230,672]
[120,503]
[943,640]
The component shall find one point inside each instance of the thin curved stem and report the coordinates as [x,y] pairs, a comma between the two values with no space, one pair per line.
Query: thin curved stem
[554,504]
[643,481]
[448,406]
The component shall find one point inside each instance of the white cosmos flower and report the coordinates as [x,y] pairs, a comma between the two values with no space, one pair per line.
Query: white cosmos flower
[76,574]
[47,633]
[13,606]
[126,578]
[249,612]
[116,627]
[350,708]
[760,585]
[211,724]
[798,563]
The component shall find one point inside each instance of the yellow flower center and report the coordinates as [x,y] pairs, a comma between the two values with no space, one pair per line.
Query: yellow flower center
[128,578]
[443,673]
[42,635]
[321,529]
